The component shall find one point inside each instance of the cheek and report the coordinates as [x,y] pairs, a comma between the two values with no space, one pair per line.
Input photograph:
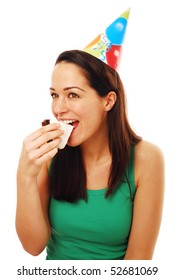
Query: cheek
[93,116]
[79,110]
[91,108]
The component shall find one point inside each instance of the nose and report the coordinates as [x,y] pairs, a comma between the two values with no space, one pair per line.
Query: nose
[59,106]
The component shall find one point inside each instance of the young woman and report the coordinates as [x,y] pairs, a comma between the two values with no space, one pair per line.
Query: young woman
[101,196]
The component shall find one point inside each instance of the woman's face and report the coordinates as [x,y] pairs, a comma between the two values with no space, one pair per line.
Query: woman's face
[74,101]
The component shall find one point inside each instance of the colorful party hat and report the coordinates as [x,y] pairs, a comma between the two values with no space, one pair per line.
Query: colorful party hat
[108,45]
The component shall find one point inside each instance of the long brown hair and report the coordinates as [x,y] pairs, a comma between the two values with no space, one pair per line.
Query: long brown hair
[68,176]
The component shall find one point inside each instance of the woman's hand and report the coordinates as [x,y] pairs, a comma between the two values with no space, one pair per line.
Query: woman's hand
[32,221]
[38,149]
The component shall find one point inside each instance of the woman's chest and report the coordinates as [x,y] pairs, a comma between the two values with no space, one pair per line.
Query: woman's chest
[100,220]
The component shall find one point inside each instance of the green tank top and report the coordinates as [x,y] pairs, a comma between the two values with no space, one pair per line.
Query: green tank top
[96,229]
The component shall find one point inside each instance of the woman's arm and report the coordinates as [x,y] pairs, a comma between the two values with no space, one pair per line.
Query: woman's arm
[148,204]
[32,223]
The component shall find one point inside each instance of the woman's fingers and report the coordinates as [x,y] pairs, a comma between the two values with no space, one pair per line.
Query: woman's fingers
[42,136]
[45,138]
[45,149]
[39,161]
[37,148]
[42,130]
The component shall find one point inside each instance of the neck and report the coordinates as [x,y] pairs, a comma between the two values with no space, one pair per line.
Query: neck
[96,151]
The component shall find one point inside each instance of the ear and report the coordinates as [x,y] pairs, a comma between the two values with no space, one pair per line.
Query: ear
[110,100]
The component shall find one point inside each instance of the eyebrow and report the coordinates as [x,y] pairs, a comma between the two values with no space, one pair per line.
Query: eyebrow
[68,88]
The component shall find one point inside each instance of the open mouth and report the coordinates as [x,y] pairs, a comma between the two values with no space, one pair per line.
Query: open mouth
[74,123]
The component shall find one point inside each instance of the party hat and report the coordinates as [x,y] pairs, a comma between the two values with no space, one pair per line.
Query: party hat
[108,45]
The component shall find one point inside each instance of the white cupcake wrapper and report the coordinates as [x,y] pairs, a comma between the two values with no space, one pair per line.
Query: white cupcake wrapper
[67,128]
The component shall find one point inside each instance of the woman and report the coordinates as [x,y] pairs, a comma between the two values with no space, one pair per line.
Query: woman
[95,199]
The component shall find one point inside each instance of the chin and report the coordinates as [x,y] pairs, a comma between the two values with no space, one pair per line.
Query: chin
[71,144]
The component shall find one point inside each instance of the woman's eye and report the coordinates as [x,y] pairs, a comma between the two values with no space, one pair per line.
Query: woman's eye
[73,95]
[54,95]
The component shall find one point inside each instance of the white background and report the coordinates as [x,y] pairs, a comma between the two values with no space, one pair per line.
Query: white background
[32,34]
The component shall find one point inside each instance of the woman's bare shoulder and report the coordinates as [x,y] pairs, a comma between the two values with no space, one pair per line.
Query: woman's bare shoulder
[146,150]
[148,158]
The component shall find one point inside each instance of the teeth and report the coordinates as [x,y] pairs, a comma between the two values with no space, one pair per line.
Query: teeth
[67,121]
